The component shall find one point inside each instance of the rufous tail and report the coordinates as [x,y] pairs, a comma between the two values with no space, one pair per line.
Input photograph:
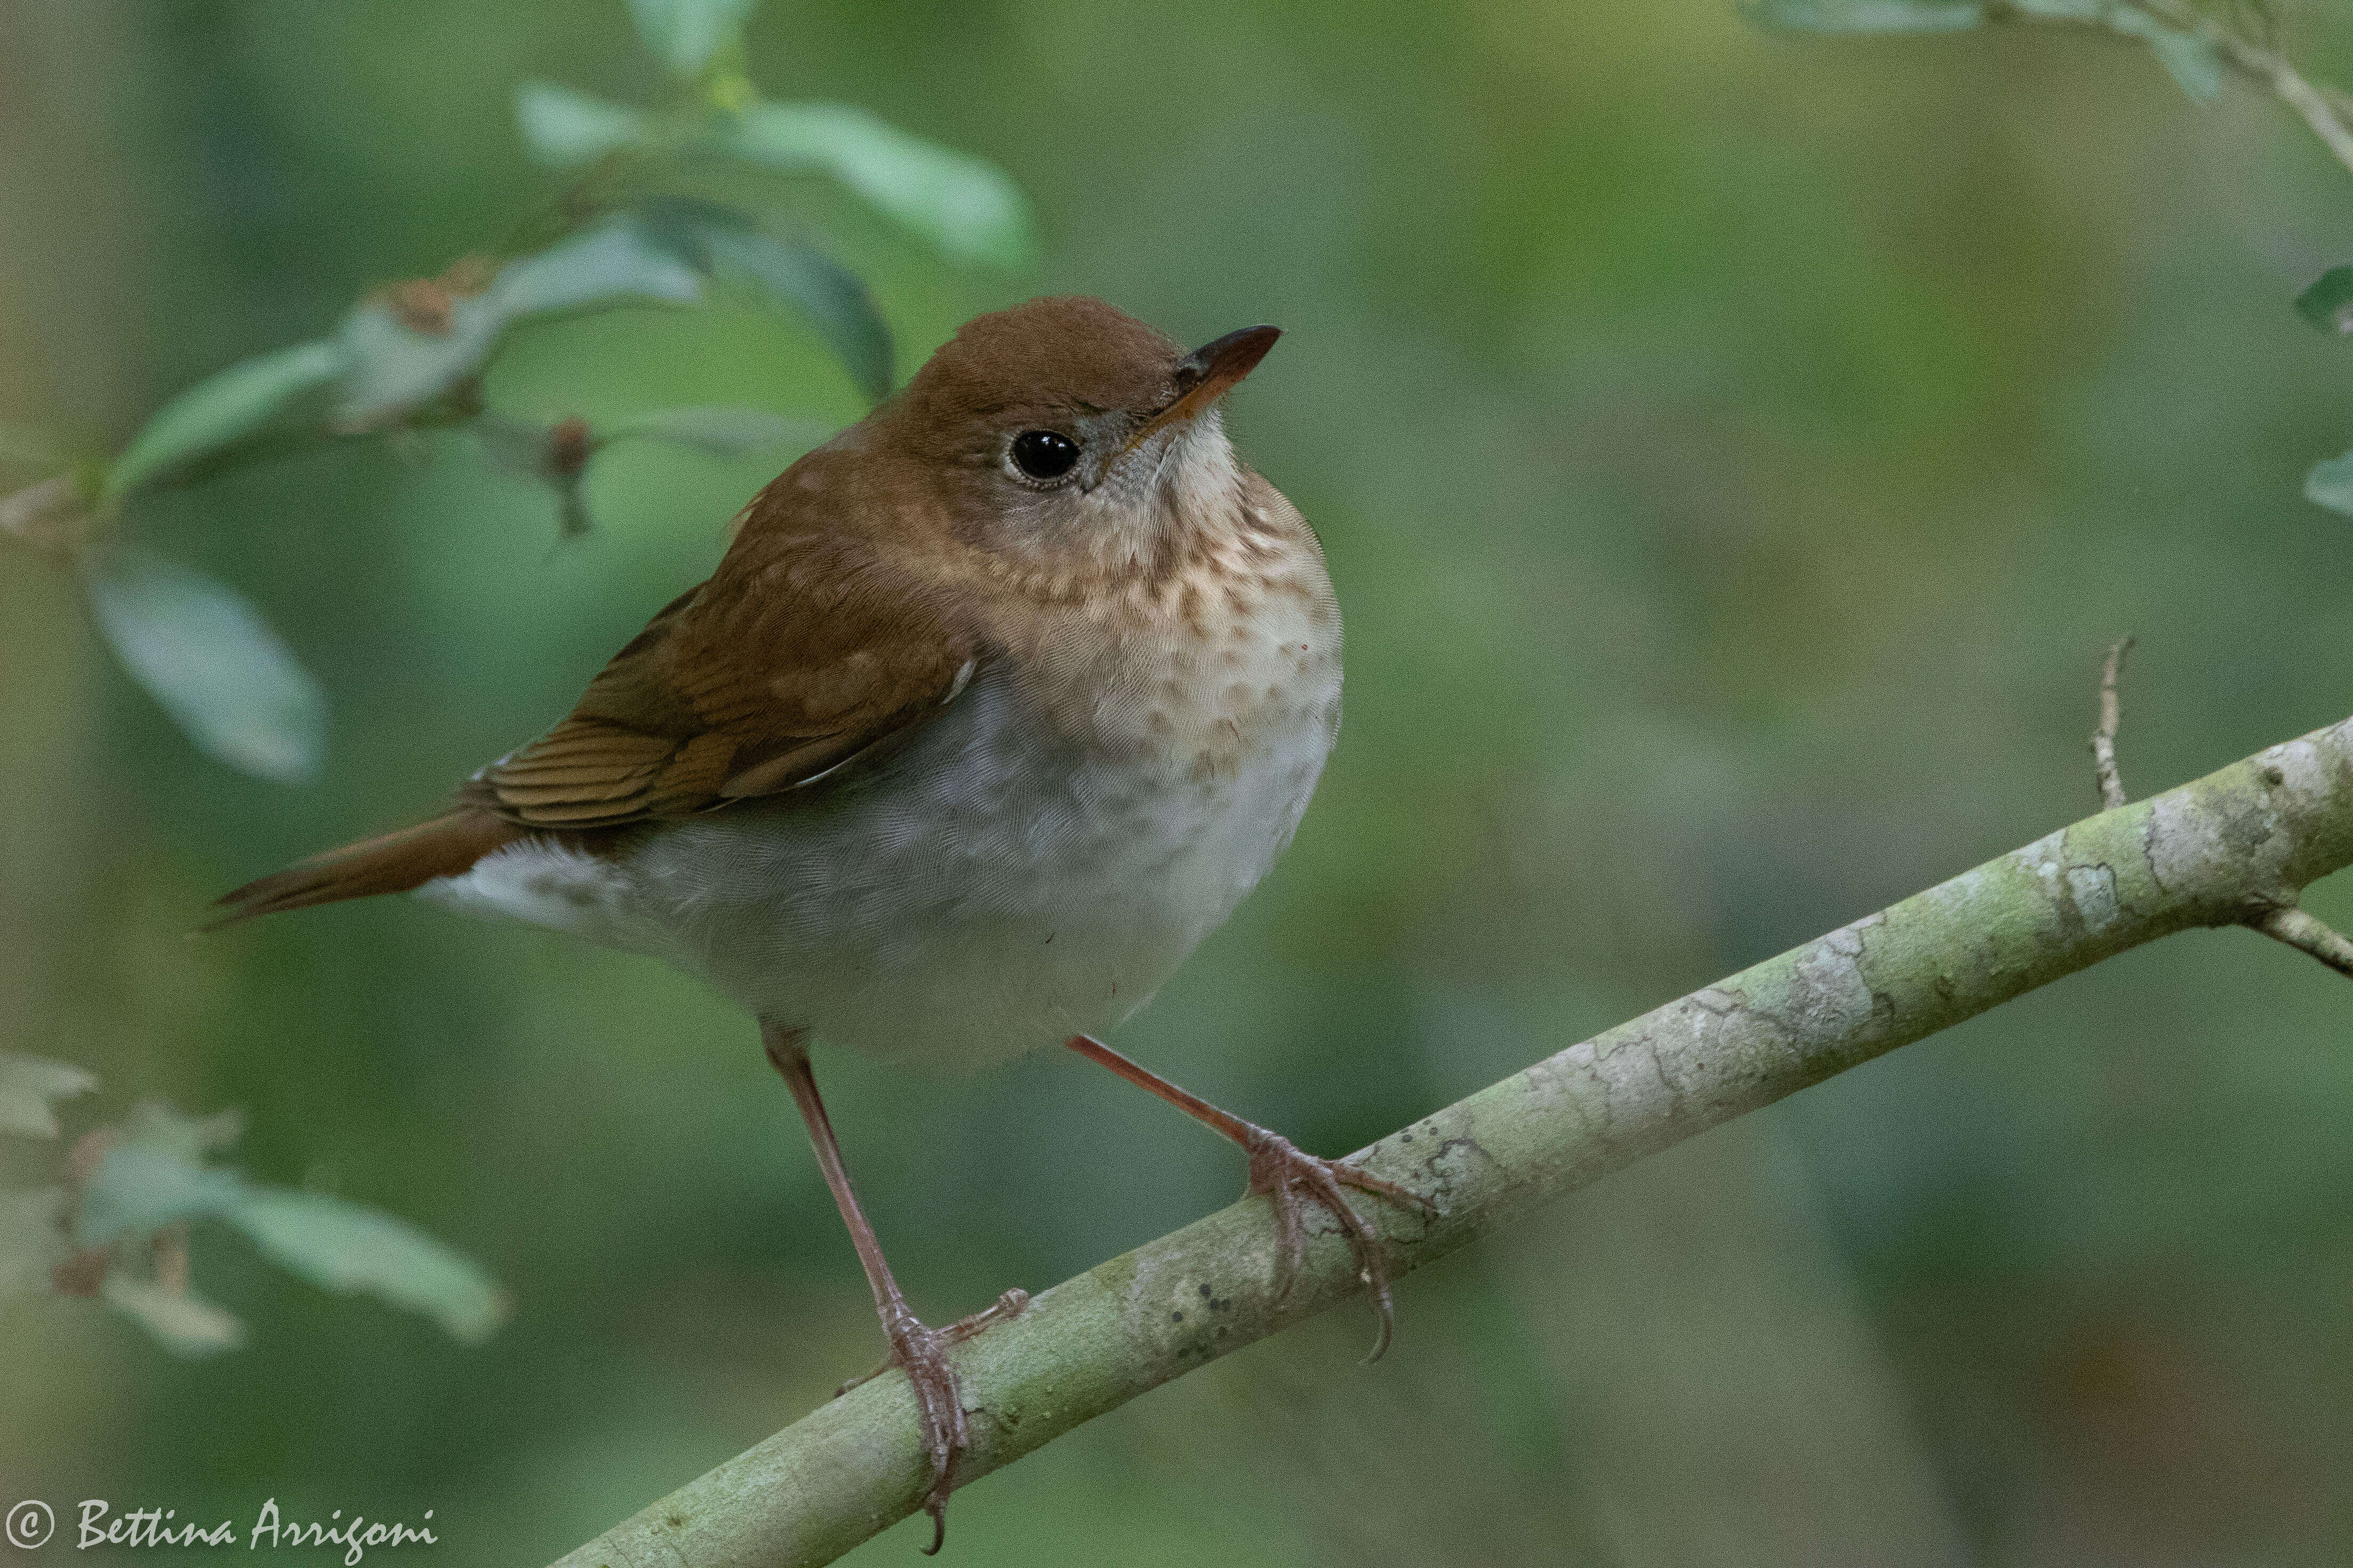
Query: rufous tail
[394,863]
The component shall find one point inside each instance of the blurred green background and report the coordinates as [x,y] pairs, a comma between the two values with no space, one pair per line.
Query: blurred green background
[1734,453]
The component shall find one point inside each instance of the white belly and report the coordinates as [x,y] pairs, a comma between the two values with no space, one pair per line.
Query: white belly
[987,890]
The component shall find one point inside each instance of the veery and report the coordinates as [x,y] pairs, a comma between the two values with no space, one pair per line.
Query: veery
[998,704]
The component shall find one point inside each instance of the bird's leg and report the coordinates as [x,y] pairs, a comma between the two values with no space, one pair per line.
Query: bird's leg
[1289,1179]
[921,1351]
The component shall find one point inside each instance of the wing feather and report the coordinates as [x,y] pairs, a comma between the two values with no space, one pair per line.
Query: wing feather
[808,647]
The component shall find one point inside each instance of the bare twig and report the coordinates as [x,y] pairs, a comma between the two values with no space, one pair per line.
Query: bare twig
[2104,739]
[2252,835]
[2313,935]
[2282,922]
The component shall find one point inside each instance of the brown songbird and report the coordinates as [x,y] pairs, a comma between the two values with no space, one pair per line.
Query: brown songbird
[998,704]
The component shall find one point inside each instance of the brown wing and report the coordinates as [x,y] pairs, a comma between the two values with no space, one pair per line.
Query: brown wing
[804,650]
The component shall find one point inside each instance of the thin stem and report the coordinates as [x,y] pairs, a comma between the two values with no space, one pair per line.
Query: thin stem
[2308,934]
[2104,739]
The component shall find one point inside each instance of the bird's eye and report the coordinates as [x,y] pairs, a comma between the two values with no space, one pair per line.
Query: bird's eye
[1044,454]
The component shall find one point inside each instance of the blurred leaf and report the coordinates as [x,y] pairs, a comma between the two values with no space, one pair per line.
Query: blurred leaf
[565,128]
[342,1247]
[1866,15]
[2330,484]
[220,410]
[184,1324]
[723,432]
[966,207]
[29,1087]
[2192,61]
[2328,304]
[31,1240]
[836,301]
[152,1173]
[684,227]
[396,366]
[212,662]
[155,1177]
[685,34]
[2189,59]
[608,263]
[158,1125]
[724,241]
[138,1189]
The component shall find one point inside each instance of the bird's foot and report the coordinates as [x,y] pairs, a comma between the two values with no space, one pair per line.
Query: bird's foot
[1006,1306]
[1290,1180]
[921,1353]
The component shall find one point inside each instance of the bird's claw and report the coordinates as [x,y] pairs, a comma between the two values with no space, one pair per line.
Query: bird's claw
[921,1353]
[1289,1179]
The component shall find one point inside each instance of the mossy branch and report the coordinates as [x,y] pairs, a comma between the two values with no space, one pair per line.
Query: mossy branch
[2229,849]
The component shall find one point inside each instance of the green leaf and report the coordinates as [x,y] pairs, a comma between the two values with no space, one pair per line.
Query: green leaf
[683,227]
[685,34]
[395,367]
[183,1324]
[138,1190]
[608,263]
[565,128]
[159,1125]
[154,1174]
[220,410]
[154,1177]
[2189,59]
[2188,55]
[32,1240]
[2194,64]
[342,1247]
[844,312]
[2328,304]
[207,656]
[29,1088]
[727,242]
[2330,484]
[966,207]
[1866,15]
[723,432]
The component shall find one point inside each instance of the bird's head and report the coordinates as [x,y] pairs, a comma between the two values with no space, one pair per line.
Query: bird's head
[1066,423]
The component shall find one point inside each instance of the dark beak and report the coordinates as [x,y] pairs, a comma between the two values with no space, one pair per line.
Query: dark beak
[1208,373]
